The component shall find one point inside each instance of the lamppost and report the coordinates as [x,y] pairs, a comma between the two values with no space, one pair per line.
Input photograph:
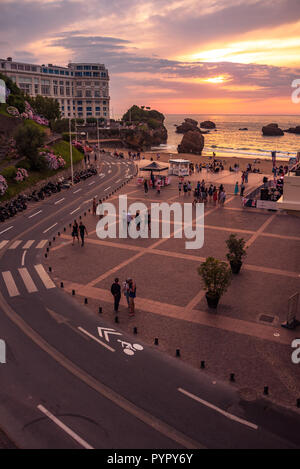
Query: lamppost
[71,152]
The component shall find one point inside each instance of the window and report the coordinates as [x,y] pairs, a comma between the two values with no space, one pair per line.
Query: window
[88,94]
[61,90]
[98,108]
[45,70]
[97,83]
[78,74]
[87,67]
[103,74]
[89,108]
[67,73]
[67,83]
[94,67]
[61,72]
[46,89]
[79,67]
[20,67]
[55,82]
[63,108]
[89,102]
[79,83]
[79,94]
[80,114]
[104,109]
[97,113]
[34,69]
[87,74]
[79,102]
[104,102]
[87,83]
[36,89]
[51,70]
[13,66]
[55,90]
[89,114]
[27,68]
[96,74]
[79,108]
[97,94]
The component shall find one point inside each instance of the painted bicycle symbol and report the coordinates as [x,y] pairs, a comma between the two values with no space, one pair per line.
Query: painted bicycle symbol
[130,349]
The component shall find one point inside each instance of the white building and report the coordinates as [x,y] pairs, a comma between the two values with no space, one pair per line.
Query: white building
[82,89]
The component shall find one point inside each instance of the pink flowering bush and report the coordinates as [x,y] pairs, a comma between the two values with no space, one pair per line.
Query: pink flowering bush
[78,145]
[29,114]
[3,185]
[54,162]
[21,175]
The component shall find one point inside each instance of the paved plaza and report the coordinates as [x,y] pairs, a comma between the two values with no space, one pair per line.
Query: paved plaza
[244,335]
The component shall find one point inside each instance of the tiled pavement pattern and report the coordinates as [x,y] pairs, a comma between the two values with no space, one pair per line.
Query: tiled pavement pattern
[171,304]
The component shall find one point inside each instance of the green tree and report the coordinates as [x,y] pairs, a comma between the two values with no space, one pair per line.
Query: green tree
[46,107]
[29,139]
[16,96]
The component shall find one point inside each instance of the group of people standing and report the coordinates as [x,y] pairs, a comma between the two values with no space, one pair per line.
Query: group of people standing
[129,291]
[202,193]
[78,230]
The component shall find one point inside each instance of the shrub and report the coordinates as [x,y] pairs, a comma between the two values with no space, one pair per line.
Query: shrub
[236,249]
[216,276]
[28,139]
[9,173]
[24,164]
[3,185]
[53,161]
[21,175]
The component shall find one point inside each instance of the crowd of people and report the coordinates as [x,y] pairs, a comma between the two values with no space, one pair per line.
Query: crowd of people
[129,292]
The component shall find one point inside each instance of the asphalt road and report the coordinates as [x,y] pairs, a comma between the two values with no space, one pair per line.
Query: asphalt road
[69,384]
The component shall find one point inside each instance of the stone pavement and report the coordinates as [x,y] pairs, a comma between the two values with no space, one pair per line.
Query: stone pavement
[244,336]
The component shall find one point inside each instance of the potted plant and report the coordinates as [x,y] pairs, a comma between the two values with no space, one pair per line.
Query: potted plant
[216,276]
[236,252]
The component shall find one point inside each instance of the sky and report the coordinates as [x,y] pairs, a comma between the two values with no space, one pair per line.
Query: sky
[177,56]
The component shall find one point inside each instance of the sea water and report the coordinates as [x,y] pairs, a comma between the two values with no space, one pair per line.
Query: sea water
[229,140]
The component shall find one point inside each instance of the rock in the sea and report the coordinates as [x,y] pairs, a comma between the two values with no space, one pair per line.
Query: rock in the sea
[272,130]
[208,125]
[293,130]
[245,128]
[188,124]
[192,142]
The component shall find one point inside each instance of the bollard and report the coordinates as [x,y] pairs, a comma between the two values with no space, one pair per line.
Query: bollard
[116,320]
[53,238]
[156,341]
[50,243]
[58,233]
[135,330]
[50,269]
[80,217]
[202,365]
[89,210]
[85,214]
[70,225]
[85,301]
[64,229]
[73,292]
[177,352]
[46,255]
[47,249]
[298,403]
[232,377]
[61,284]
[266,390]
[100,310]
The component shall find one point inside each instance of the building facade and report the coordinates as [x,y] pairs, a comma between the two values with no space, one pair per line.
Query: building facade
[81,89]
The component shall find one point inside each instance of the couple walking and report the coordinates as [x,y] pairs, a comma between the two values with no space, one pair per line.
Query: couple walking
[78,230]
[129,290]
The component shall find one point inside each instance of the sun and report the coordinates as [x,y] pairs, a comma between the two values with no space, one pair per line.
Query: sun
[219,79]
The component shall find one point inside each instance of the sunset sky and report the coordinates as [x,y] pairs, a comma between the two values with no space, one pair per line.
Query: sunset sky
[180,56]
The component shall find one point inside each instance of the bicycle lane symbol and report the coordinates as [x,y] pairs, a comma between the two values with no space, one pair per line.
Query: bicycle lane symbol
[130,349]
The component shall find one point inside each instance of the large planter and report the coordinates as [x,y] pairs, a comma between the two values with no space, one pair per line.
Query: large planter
[212,300]
[235,267]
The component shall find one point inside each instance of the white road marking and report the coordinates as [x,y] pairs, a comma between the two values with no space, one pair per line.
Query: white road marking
[44,276]
[78,190]
[35,214]
[29,283]
[64,427]
[109,171]
[59,201]
[23,258]
[28,244]
[42,244]
[119,180]
[10,284]
[92,183]
[48,229]
[7,229]
[220,411]
[95,339]
[75,211]
[107,188]
[15,244]
[3,244]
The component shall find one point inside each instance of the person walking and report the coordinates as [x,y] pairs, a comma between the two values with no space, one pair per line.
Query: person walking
[179,188]
[126,290]
[242,190]
[158,187]
[83,232]
[94,208]
[185,188]
[99,210]
[75,232]
[215,195]
[146,186]
[236,188]
[116,293]
[132,296]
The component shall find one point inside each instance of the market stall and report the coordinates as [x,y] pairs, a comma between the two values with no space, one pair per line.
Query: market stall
[179,167]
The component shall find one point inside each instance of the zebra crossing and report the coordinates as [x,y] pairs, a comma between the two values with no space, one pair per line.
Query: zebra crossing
[16,280]
[27,244]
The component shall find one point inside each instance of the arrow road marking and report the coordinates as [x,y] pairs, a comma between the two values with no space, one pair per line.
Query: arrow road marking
[95,339]
[106,331]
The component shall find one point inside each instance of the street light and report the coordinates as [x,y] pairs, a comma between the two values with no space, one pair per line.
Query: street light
[71,152]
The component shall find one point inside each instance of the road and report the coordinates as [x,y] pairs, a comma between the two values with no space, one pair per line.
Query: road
[73,381]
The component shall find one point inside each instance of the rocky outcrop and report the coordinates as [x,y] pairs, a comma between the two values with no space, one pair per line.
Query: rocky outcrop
[208,125]
[245,128]
[192,142]
[187,125]
[143,137]
[293,130]
[272,130]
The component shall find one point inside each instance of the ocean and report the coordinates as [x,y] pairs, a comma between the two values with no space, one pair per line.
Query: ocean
[228,139]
